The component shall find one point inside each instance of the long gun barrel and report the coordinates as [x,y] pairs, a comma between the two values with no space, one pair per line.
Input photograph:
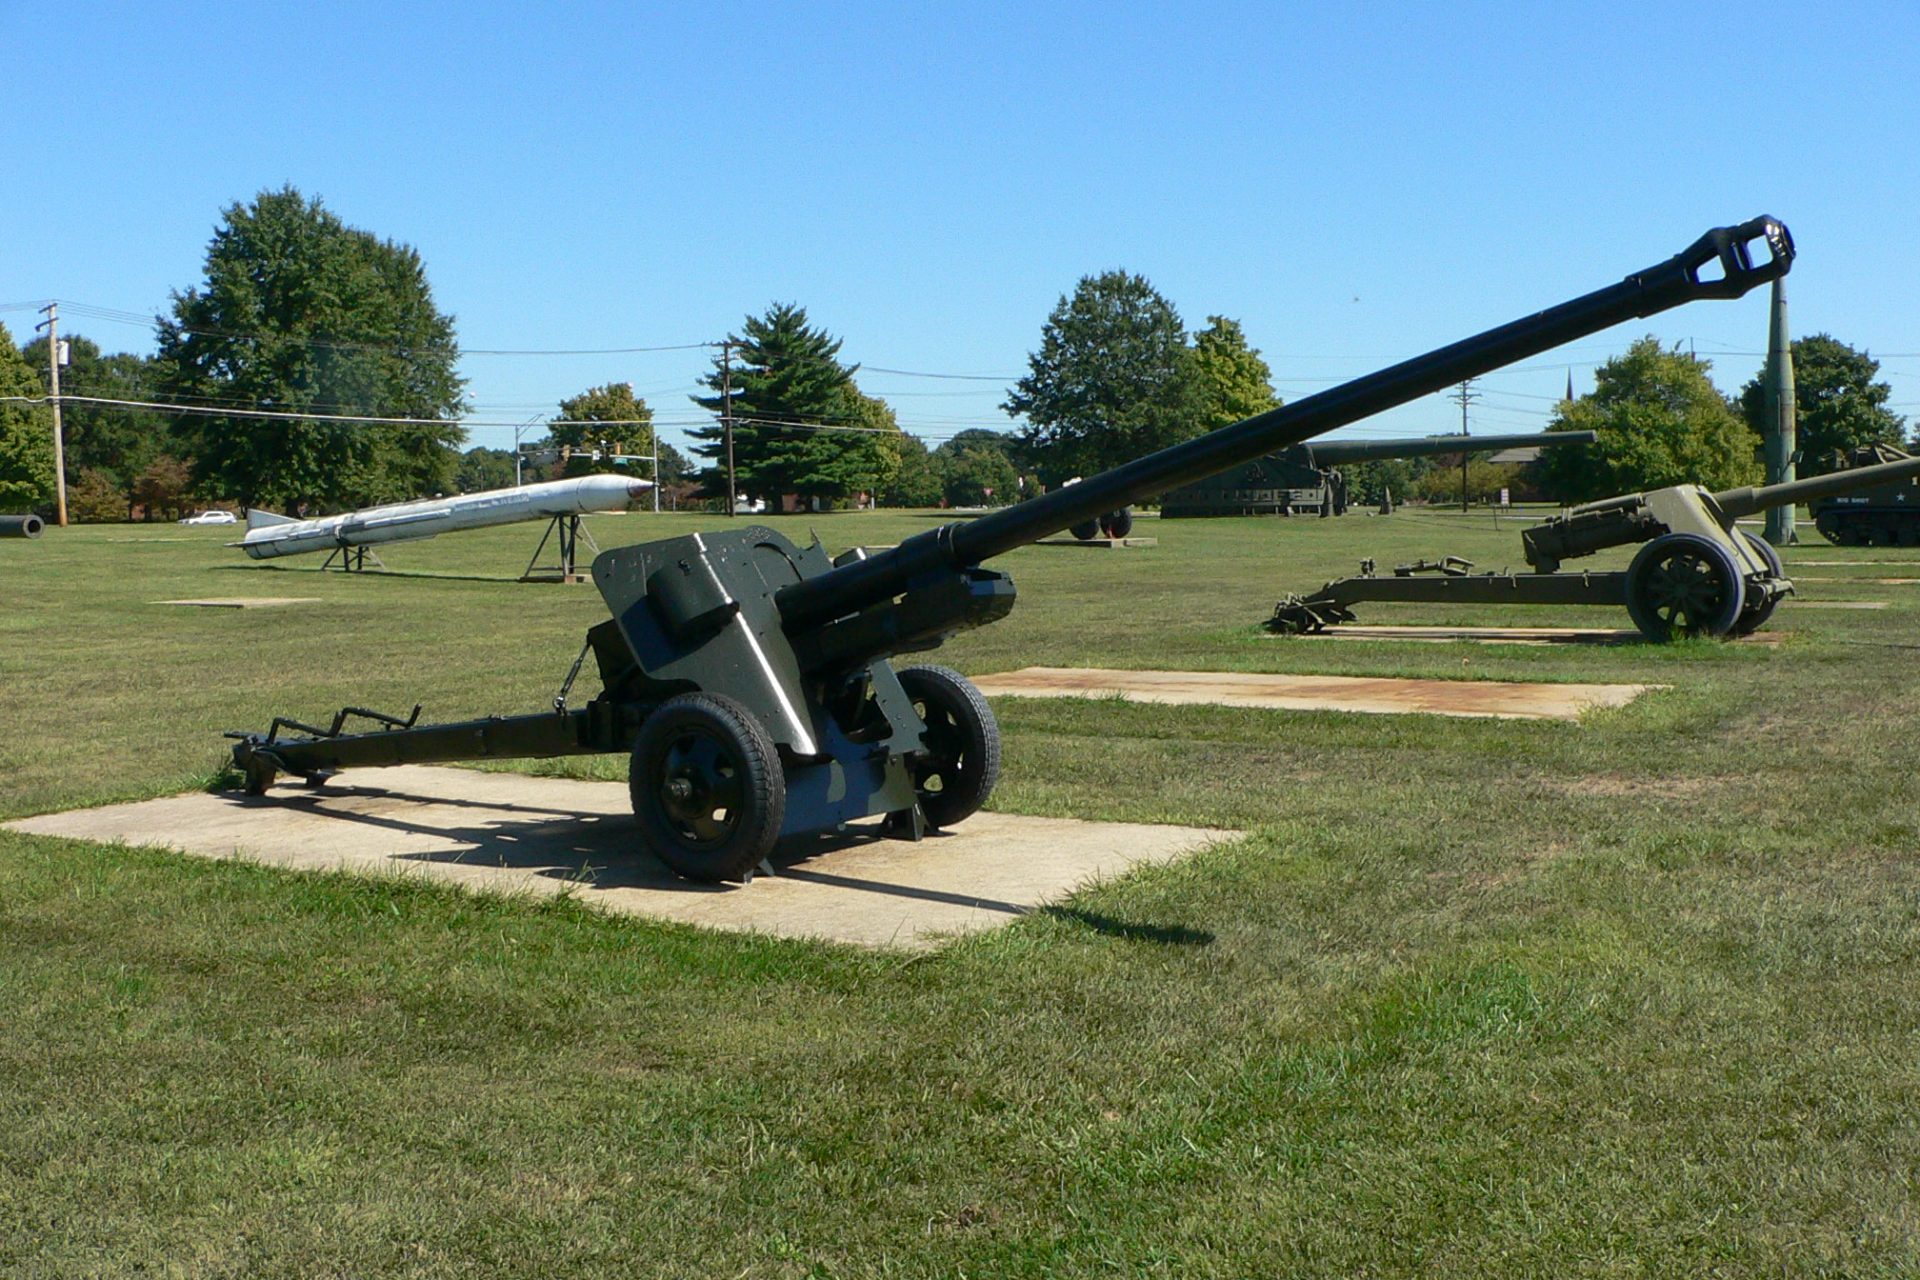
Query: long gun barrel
[1685,277]
[1748,500]
[1334,453]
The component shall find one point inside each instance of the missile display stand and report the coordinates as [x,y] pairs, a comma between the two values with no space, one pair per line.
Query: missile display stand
[352,559]
[565,532]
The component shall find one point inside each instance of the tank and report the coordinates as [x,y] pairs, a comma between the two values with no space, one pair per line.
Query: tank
[1306,480]
[1887,515]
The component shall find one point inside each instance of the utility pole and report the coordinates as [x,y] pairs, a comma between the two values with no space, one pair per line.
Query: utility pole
[1466,395]
[52,325]
[726,417]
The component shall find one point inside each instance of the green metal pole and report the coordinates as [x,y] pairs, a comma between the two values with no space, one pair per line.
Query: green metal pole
[1781,434]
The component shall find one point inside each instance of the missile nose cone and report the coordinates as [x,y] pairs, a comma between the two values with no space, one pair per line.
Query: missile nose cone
[637,489]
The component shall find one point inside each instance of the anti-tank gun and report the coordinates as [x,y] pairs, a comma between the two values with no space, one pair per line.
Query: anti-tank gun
[1306,479]
[1697,573]
[748,678]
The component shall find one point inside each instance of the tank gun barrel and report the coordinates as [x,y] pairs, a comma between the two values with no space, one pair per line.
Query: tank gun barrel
[1749,500]
[1335,453]
[1686,277]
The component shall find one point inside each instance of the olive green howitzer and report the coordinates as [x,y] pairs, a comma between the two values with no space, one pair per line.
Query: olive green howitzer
[748,678]
[1697,574]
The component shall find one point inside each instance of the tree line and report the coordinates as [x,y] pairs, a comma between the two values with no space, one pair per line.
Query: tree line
[299,313]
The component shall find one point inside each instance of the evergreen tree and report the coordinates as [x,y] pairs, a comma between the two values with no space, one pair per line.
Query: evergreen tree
[301,312]
[1838,403]
[1113,379]
[1661,422]
[1235,382]
[786,379]
[26,434]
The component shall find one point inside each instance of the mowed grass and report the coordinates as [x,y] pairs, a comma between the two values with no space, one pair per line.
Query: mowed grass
[1637,996]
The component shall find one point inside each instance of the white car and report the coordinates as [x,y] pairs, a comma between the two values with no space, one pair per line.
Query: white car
[212,517]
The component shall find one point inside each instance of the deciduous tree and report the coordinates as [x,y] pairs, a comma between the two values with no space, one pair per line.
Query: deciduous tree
[300,312]
[1661,422]
[1113,379]
[1838,402]
[26,434]
[483,469]
[628,429]
[1235,383]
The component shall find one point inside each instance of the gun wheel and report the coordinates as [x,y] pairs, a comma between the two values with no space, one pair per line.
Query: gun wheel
[955,773]
[1759,604]
[1682,584]
[1117,524]
[707,788]
[1086,530]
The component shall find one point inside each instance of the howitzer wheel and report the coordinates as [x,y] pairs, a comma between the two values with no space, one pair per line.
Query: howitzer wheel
[1682,584]
[707,788]
[1086,530]
[955,774]
[1117,524]
[1759,604]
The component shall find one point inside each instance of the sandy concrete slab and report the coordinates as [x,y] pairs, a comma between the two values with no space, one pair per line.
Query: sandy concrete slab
[1837,604]
[1844,564]
[1505,700]
[1099,544]
[246,602]
[1879,582]
[510,833]
[1500,635]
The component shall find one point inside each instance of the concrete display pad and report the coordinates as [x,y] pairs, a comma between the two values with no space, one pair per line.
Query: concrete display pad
[1843,564]
[1798,603]
[1881,582]
[1501,635]
[1103,544]
[508,833]
[246,602]
[1504,700]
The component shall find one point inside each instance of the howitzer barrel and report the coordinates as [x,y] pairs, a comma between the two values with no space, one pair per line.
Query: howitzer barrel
[1748,500]
[1668,284]
[1334,453]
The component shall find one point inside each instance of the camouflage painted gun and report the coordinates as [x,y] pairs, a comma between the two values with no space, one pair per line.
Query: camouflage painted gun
[1698,574]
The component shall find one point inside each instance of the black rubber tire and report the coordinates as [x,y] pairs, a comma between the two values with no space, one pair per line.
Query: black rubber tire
[728,767]
[956,773]
[1759,606]
[1682,584]
[1117,524]
[1086,530]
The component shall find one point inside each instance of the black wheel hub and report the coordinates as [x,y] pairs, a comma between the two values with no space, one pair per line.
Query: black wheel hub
[1684,590]
[939,766]
[699,789]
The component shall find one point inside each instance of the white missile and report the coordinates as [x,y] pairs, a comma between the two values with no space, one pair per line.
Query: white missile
[270,535]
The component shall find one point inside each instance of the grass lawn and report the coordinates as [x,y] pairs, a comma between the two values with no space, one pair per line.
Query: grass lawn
[1637,996]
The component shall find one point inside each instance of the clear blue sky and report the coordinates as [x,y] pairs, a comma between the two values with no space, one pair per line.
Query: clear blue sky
[1355,183]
